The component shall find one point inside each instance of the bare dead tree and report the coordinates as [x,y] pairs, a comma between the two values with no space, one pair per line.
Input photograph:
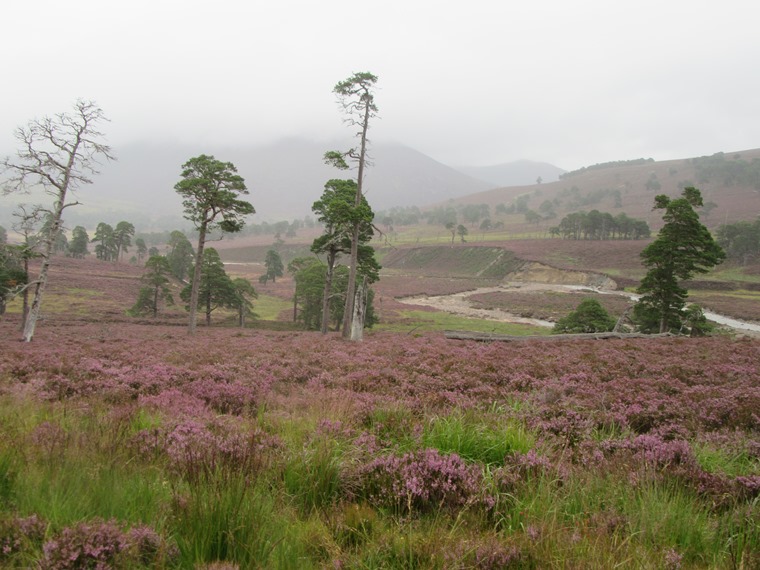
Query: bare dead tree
[57,154]
[26,226]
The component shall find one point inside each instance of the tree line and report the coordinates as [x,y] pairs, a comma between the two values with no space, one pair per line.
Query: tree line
[596,225]
[728,172]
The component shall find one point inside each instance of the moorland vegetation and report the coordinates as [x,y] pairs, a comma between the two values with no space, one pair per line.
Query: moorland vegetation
[127,443]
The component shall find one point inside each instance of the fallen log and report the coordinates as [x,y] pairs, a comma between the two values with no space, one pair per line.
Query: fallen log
[493,337]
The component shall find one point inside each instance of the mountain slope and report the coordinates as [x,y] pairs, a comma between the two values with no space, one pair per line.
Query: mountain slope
[517,173]
[630,187]
[284,179]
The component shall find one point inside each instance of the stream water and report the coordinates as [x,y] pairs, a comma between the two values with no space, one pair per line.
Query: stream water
[459,304]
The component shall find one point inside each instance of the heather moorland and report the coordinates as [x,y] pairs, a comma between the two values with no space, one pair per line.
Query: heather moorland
[127,443]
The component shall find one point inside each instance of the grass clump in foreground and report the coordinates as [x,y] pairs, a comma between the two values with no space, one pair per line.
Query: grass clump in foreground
[422,321]
[295,451]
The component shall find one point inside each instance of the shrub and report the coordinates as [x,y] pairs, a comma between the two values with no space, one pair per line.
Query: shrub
[420,481]
[104,545]
[198,453]
[588,317]
[20,533]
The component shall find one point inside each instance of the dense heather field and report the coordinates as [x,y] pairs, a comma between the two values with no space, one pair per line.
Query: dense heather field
[137,446]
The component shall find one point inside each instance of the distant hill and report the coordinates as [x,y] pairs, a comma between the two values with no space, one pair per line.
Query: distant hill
[730,185]
[284,179]
[517,173]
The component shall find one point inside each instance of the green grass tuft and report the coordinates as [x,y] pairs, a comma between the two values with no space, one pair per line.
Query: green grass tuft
[474,440]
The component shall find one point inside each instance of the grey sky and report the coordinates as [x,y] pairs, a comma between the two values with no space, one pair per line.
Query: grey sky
[468,83]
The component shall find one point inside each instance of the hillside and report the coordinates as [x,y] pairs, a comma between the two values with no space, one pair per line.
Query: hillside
[517,173]
[284,179]
[631,187]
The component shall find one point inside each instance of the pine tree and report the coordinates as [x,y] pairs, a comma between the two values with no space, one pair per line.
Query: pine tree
[683,247]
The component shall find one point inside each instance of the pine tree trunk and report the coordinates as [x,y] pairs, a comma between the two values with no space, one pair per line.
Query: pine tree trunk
[327,292]
[195,290]
[360,310]
[351,288]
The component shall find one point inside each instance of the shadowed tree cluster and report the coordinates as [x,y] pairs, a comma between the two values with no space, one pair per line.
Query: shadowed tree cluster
[217,290]
[337,211]
[155,289]
[601,225]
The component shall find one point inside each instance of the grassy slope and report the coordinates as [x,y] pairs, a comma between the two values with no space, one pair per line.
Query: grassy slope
[734,202]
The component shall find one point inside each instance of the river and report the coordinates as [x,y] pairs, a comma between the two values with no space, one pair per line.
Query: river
[459,304]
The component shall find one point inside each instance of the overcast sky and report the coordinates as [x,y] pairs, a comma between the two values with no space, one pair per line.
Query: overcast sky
[468,83]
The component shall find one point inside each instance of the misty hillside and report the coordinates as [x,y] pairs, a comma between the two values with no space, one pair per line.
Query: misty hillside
[517,173]
[730,185]
[284,180]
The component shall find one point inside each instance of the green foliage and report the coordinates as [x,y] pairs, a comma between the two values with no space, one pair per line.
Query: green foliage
[683,247]
[472,439]
[106,249]
[122,236]
[336,209]
[603,165]
[717,460]
[274,266]
[142,248]
[310,275]
[244,293]
[400,216]
[695,322]
[727,172]
[215,287]
[79,240]
[180,255]
[356,96]
[232,519]
[313,478]
[602,225]
[473,213]
[155,289]
[3,235]
[343,220]
[653,184]
[741,240]
[12,273]
[210,189]
[589,317]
